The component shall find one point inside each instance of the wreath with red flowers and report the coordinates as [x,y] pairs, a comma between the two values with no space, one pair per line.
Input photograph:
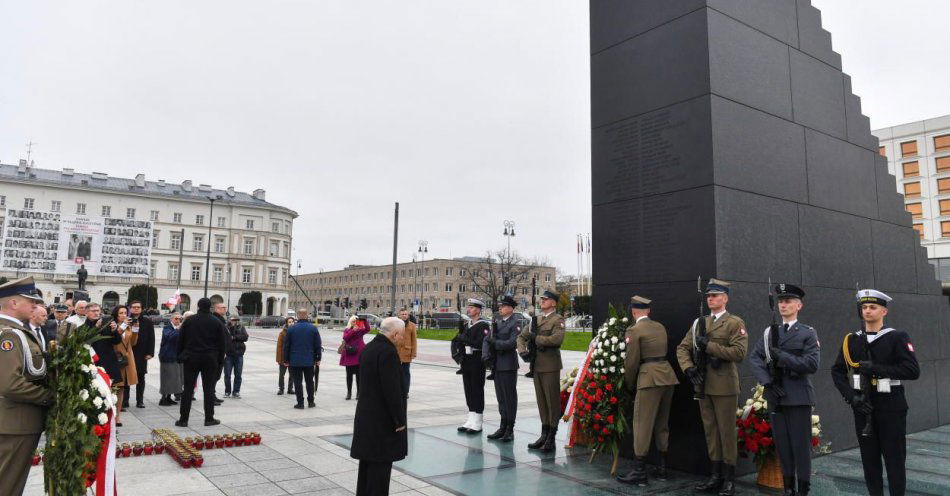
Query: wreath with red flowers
[754,430]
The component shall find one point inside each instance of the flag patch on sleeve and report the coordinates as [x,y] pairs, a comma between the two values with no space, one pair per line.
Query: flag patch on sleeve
[742,331]
[6,345]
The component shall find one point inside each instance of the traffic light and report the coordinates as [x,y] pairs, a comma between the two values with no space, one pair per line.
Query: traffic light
[346,302]
[337,301]
[363,304]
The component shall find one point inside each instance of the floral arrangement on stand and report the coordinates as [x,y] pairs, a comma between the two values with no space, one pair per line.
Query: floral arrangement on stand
[567,386]
[78,423]
[754,431]
[600,396]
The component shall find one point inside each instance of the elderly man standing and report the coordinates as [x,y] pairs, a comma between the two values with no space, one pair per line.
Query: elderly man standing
[24,395]
[79,318]
[379,427]
[302,353]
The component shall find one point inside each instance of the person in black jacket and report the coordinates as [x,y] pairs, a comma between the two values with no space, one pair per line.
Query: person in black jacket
[143,350]
[105,348]
[379,427]
[234,358]
[201,347]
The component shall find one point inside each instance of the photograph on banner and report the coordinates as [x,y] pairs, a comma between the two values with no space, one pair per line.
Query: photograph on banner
[30,241]
[81,244]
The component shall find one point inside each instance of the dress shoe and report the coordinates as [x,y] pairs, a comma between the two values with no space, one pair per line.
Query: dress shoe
[299,406]
[218,402]
[728,480]
[165,401]
[549,442]
[636,476]
[458,372]
[236,396]
[509,434]
[226,395]
[280,392]
[311,404]
[181,423]
[140,405]
[348,395]
[476,425]
[500,432]
[540,442]
[659,471]
[211,422]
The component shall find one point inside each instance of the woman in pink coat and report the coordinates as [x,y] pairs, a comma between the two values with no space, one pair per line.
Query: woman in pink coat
[350,350]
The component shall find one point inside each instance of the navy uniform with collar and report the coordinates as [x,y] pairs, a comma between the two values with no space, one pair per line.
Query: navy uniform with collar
[790,395]
[502,344]
[473,369]
[880,361]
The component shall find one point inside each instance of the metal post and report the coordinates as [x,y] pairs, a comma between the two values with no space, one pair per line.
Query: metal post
[509,233]
[181,255]
[392,292]
[423,249]
[208,255]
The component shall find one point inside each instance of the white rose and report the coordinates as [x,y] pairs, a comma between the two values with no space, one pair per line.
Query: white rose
[613,321]
[757,405]
[82,417]
[612,369]
[83,394]
[614,340]
[623,355]
[749,402]
[97,401]
[613,358]
[103,418]
[625,320]
[622,345]
[739,412]
[814,419]
[815,432]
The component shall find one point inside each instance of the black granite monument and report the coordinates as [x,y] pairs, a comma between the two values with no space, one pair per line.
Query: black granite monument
[726,143]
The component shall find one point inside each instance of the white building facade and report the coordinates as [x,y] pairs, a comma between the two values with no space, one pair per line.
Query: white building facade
[918,154]
[250,239]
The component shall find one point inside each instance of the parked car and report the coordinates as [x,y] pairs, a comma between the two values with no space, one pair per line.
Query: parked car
[270,321]
[446,320]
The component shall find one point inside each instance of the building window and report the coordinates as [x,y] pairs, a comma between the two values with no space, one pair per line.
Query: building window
[248,246]
[911,169]
[173,271]
[153,215]
[547,277]
[176,217]
[218,273]
[462,288]
[219,244]
[275,227]
[945,229]
[912,190]
[943,185]
[80,209]
[274,248]
[3,200]
[943,164]
[920,230]
[221,222]
[942,143]
[195,272]
[909,149]
[272,276]
[916,210]
[944,207]
[27,204]
[200,220]
[249,224]
[106,211]
[153,267]
[448,286]
[246,275]
[130,213]
[882,151]
[286,249]
[198,242]
[154,239]
[175,242]
[448,271]
[283,276]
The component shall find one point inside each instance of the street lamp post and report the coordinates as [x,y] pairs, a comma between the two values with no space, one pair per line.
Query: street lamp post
[208,255]
[423,249]
[508,233]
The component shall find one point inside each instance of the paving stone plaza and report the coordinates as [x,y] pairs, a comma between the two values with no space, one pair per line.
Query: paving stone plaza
[305,451]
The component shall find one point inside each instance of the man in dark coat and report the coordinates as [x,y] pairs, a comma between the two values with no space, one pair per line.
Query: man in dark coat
[379,427]
[143,351]
[302,353]
[201,346]
[234,359]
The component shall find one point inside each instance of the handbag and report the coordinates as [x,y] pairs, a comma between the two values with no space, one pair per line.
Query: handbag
[123,361]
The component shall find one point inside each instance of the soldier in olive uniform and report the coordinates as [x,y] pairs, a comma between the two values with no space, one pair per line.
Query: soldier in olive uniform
[547,368]
[785,370]
[501,344]
[724,343]
[24,396]
[647,370]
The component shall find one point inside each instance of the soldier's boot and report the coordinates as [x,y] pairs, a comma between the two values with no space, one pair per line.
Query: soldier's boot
[509,435]
[500,432]
[659,471]
[467,425]
[549,442]
[728,480]
[803,487]
[789,484]
[476,424]
[540,442]
[715,480]
[638,475]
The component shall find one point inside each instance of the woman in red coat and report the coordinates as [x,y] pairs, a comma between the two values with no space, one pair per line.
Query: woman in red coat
[350,350]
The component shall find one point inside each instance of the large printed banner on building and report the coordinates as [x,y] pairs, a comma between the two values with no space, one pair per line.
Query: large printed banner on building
[52,242]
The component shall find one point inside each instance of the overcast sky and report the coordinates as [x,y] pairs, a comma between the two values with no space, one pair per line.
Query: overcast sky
[467,113]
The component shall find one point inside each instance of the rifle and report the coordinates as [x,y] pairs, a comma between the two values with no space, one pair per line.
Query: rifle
[458,345]
[699,356]
[532,346]
[488,352]
[868,429]
[771,340]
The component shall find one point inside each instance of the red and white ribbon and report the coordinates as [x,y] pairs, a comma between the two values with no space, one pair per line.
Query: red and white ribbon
[105,465]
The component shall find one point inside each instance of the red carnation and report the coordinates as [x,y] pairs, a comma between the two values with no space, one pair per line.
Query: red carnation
[610,419]
[606,431]
[815,441]
[609,387]
[596,427]
[751,445]
[592,384]
[600,439]
[603,377]
[766,441]
[613,400]
[763,427]
[596,416]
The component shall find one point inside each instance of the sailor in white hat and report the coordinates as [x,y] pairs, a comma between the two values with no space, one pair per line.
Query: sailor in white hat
[471,336]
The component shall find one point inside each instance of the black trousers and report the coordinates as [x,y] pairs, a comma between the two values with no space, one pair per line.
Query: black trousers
[280,379]
[139,390]
[373,478]
[351,372]
[506,392]
[889,442]
[791,426]
[208,368]
[473,380]
[297,376]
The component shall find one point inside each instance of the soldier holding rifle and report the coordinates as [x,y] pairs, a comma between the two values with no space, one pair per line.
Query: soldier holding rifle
[723,345]
[869,372]
[547,336]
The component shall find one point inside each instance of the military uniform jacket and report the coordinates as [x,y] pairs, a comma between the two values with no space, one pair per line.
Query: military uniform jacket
[728,341]
[647,339]
[550,335]
[798,360]
[23,404]
[893,357]
[506,334]
[473,336]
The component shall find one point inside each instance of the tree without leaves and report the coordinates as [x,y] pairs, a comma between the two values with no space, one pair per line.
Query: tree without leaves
[499,273]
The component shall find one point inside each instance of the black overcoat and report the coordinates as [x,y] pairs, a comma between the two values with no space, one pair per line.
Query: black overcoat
[381,408]
[145,346]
